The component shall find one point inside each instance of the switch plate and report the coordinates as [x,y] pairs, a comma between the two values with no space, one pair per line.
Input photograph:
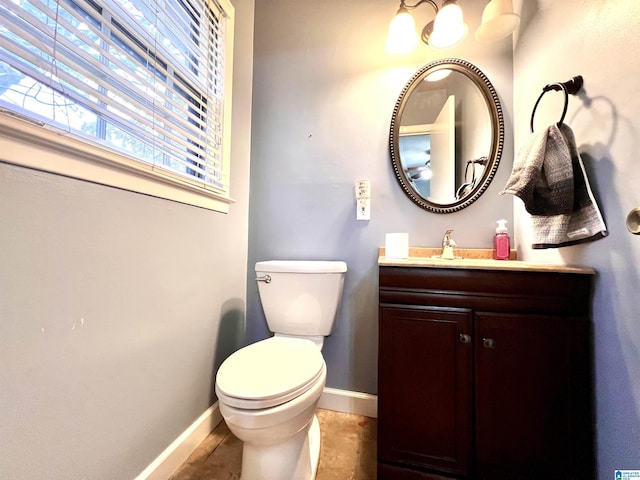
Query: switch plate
[363,209]
[363,189]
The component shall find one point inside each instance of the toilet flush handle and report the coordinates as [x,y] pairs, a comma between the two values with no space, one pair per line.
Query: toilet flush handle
[264,278]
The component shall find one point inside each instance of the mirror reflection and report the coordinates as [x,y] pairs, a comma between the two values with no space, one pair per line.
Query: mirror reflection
[446,137]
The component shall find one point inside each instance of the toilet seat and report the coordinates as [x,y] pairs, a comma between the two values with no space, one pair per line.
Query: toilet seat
[269,372]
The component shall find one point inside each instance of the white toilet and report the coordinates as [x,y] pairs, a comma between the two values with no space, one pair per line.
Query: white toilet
[268,391]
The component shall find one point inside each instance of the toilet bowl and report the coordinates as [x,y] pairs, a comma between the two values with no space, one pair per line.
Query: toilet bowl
[268,391]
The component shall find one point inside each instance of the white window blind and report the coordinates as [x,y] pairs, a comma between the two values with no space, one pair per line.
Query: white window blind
[145,78]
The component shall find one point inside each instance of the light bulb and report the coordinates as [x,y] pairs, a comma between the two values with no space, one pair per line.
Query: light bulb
[402,36]
[426,174]
[449,16]
[449,28]
[498,21]
[438,75]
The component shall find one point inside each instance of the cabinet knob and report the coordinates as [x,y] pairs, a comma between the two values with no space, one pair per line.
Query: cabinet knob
[488,343]
[464,338]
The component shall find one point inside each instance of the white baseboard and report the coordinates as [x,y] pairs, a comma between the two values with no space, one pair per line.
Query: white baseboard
[347,401]
[175,454]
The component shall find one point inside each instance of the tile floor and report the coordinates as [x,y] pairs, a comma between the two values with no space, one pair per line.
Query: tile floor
[347,451]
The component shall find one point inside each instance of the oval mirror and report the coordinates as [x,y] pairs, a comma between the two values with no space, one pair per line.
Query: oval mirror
[447,135]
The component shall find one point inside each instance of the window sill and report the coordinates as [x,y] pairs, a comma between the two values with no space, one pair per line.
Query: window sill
[25,144]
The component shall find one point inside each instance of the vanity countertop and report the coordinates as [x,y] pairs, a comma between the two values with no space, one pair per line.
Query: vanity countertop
[475,258]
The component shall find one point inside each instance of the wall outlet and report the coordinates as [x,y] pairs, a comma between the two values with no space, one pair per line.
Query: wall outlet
[363,209]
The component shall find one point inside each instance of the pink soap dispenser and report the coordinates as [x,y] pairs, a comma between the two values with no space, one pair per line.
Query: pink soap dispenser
[501,242]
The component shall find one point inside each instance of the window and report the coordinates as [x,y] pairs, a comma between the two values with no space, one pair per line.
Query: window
[145,81]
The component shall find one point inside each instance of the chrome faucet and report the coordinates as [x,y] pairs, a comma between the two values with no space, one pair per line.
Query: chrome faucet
[447,246]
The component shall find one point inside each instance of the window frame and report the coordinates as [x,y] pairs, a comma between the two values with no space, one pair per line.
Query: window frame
[32,144]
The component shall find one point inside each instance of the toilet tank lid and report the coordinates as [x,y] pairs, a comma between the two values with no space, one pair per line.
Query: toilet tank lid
[302,266]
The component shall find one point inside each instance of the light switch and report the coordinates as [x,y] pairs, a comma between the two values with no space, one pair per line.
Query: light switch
[363,199]
[363,189]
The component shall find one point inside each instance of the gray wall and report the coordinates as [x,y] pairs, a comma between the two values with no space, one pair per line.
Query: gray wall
[599,40]
[324,93]
[115,310]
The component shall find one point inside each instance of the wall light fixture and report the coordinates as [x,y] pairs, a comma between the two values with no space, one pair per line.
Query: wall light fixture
[448,28]
[498,21]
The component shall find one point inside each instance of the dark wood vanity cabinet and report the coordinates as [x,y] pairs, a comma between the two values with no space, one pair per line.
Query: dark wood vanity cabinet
[484,374]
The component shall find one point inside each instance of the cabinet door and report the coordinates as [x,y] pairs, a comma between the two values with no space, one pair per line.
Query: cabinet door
[532,418]
[425,388]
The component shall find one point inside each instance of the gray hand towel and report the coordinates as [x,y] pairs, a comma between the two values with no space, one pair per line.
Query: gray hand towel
[540,176]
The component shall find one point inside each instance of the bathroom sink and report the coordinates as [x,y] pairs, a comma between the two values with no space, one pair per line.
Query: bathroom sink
[424,256]
[429,253]
[471,258]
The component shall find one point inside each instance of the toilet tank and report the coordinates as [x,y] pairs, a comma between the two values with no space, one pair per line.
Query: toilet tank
[302,297]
